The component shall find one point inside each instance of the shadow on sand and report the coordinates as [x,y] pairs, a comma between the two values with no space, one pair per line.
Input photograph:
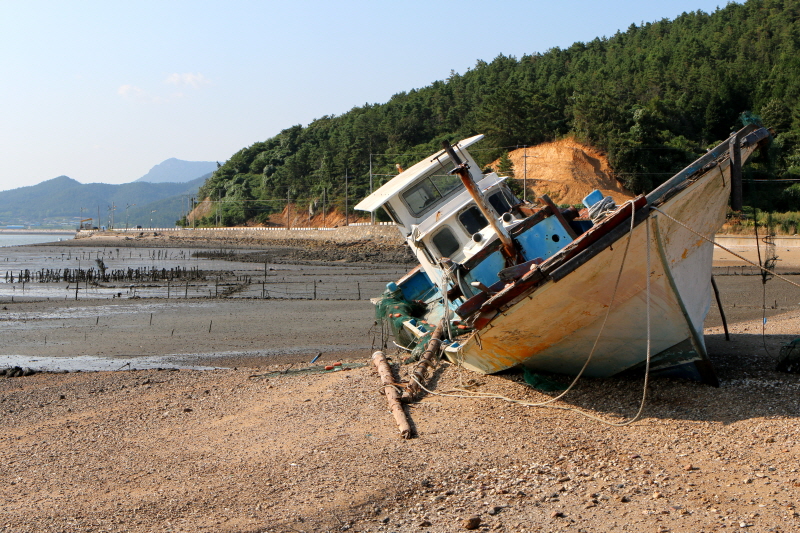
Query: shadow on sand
[750,387]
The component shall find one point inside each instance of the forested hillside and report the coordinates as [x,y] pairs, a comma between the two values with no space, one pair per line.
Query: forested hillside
[653,98]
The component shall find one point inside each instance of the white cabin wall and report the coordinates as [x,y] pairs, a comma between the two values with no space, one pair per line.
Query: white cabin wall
[459,233]
[434,272]
[405,218]
[408,221]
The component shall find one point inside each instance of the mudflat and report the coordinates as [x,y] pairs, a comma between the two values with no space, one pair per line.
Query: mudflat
[265,446]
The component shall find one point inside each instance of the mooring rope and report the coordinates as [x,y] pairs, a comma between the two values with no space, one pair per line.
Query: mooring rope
[763,286]
[768,271]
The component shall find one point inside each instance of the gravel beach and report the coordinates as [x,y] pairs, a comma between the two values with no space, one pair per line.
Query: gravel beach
[263,446]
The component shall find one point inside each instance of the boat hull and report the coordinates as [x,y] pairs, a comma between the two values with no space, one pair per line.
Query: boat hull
[555,327]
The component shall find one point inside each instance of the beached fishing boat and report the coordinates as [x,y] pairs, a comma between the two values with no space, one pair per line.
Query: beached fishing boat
[599,290]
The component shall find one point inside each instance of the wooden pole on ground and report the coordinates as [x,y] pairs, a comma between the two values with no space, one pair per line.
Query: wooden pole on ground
[392,394]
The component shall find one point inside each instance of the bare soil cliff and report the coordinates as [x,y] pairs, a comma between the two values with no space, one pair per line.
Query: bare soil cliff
[565,170]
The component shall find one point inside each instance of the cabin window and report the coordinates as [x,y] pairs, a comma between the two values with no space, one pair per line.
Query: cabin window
[472,219]
[421,195]
[446,183]
[499,202]
[435,186]
[445,242]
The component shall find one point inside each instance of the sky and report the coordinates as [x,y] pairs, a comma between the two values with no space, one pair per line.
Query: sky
[103,91]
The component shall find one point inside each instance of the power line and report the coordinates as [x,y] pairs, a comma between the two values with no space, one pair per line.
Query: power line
[773,181]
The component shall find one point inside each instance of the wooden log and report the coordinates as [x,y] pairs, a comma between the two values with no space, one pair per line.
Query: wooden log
[426,361]
[392,394]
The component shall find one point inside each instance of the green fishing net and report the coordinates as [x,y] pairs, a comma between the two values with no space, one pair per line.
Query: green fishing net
[392,310]
[789,358]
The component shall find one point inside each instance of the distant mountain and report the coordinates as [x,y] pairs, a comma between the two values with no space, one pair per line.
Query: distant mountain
[64,199]
[178,171]
[163,213]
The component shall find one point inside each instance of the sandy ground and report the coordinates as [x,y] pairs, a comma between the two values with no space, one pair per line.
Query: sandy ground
[252,449]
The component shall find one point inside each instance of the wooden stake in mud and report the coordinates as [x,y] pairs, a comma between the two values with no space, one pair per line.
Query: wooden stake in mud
[392,394]
[719,306]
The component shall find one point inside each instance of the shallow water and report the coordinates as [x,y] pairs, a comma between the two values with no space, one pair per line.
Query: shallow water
[11,318]
[19,239]
[91,363]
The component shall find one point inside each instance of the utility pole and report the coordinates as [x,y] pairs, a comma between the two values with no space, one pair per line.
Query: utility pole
[371,213]
[219,206]
[151,218]
[346,214]
[288,208]
[126,215]
[525,174]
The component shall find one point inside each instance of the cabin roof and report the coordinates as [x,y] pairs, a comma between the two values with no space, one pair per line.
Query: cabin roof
[393,187]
